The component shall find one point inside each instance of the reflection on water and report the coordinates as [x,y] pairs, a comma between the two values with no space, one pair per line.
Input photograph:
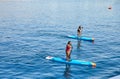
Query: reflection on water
[67,74]
[78,44]
[93,41]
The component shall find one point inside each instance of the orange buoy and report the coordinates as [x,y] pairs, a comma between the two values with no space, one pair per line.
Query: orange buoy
[110,7]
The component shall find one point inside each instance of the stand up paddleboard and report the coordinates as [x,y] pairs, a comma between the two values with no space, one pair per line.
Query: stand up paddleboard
[81,38]
[74,62]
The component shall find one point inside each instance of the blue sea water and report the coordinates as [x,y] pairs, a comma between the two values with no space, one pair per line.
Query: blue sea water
[30,30]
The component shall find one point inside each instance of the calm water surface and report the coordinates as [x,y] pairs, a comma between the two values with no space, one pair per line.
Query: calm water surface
[30,30]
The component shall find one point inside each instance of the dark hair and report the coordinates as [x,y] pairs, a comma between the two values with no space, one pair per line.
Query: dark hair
[79,26]
[69,42]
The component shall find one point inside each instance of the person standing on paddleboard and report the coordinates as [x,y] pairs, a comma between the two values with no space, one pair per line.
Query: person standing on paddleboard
[79,31]
[68,50]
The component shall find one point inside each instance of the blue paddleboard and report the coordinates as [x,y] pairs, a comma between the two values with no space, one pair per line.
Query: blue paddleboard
[74,62]
[81,38]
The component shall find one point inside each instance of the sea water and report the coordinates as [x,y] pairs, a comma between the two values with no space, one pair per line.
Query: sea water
[30,30]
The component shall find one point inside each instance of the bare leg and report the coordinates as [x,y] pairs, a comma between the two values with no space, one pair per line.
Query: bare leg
[68,56]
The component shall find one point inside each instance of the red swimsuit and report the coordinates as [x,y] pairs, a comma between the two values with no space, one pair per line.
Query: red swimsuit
[68,48]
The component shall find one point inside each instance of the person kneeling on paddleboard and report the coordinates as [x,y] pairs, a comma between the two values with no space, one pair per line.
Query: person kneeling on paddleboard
[79,31]
[68,50]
